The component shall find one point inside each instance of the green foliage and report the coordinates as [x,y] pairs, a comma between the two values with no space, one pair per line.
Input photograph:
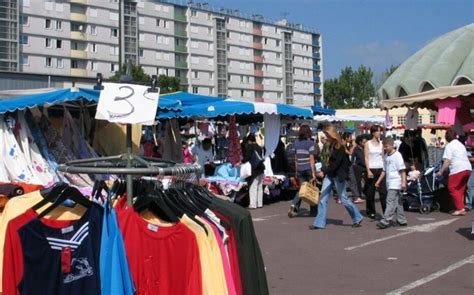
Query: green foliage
[353,89]
[168,84]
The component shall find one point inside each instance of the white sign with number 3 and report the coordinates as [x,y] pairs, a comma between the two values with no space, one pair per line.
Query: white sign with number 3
[127,104]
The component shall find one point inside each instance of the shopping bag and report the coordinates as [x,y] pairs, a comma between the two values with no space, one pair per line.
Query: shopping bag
[309,193]
[245,170]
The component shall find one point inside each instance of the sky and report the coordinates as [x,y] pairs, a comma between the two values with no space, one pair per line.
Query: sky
[373,33]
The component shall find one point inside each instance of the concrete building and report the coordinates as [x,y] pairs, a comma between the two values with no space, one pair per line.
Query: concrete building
[213,51]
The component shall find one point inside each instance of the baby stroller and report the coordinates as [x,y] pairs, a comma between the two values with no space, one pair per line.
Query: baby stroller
[420,193]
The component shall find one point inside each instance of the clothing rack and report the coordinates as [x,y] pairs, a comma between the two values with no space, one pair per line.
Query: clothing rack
[129,164]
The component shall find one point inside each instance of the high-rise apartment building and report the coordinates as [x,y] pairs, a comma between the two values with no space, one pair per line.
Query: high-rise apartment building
[213,51]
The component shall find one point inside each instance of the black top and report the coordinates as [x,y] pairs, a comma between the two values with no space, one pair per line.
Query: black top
[249,155]
[338,165]
[358,157]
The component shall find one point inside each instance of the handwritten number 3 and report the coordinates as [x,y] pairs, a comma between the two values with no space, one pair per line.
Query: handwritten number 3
[113,115]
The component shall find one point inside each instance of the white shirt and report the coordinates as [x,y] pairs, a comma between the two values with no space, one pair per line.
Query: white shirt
[455,152]
[375,155]
[202,156]
[392,165]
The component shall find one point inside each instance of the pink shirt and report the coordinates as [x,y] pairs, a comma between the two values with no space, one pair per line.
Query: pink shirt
[447,110]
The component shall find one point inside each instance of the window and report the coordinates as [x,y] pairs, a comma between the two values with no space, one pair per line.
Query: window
[279,82]
[432,119]
[114,50]
[113,67]
[114,32]
[48,43]
[59,63]
[23,20]
[93,30]
[59,25]
[209,31]
[402,120]
[278,56]
[24,40]
[49,62]
[195,89]
[93,66]
[47,23]
[193,13]
[265,41]
[195,74]
[420,120]
[211,76]
[242,93]
[141,37]
[278,43]
[141,53]
[59,44]
[74,64]
[94,47]
[24,60]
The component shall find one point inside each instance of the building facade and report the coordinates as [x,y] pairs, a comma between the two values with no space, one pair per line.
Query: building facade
[218,52]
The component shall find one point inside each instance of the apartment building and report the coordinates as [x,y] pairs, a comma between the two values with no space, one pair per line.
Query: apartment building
[214,51]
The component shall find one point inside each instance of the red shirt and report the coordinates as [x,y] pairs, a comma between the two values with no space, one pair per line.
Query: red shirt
[13,253]
[162,260]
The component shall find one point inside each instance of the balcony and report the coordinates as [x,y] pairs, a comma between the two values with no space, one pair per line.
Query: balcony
[317,55]
[259,99]
[84,2]
[180,33]
[316,43]
[180,17]
[181,64]
[257,31]
[258,59]
[317,91]
[181,48]
[316,79]
[317,67]
[257,45]
[78,17]
[183,80]
[258,86]
[79,72]
[258,73]
[76,35]
[78,54]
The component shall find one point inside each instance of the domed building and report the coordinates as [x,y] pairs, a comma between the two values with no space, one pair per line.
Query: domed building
[446,61]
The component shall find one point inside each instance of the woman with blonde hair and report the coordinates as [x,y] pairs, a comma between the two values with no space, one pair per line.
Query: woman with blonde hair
[335,174]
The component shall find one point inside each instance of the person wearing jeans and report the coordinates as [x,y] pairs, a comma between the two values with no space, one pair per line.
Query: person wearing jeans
[335,175]
[396,180]
[253,153]
[256,192]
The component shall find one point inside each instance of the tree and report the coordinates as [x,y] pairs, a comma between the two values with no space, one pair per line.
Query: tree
[138,74]
[353,89]
[168,84]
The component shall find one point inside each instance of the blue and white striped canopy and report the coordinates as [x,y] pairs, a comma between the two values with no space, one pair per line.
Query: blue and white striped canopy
[234,107]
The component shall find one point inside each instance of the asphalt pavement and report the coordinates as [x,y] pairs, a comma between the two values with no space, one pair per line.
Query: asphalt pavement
[434,254]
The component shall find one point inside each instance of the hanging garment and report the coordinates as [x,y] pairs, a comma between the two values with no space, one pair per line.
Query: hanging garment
[69,250]
[38,165]
[251,266]
[234,152]
[172,142]
[447,110]
[272,137]
[72,137]
[162,259]
[14,161]
[412,118]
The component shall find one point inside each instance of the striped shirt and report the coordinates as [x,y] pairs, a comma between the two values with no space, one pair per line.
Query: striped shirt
[303,149]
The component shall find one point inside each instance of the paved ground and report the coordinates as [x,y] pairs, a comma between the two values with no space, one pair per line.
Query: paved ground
[433,255]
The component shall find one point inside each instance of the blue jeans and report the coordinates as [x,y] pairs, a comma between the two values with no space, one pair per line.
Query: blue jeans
[470,192]
[328,183]
[302,177]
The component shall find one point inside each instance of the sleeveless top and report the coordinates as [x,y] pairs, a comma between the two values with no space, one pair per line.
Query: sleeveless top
[375,155]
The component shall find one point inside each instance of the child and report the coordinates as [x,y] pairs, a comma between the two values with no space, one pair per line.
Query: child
[394,171]
[414,174]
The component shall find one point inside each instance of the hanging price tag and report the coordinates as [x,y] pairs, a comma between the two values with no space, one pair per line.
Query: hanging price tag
[127,104]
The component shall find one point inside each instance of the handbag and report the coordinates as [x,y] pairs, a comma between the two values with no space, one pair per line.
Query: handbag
[309,193]
[245,170]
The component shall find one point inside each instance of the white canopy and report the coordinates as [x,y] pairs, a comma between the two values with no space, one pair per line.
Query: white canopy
[348,118]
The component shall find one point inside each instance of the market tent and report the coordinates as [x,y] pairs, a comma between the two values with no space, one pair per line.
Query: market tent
[350,118]
[426,99]
[317,110]
[189,99]
[234,107]
[11,104]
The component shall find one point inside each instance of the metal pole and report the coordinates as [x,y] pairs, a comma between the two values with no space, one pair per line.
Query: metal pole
[129,165]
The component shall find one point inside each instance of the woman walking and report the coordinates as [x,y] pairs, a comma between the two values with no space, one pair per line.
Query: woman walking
[373,152]
[305,169]
[335,175]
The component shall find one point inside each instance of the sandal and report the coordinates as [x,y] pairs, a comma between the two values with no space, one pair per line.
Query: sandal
[461,212]
[358,201]
[292,212]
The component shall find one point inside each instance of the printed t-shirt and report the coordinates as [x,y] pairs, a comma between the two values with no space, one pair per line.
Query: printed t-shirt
[162,259]
[456,153]
[18,205]
[392,165]
[52,256]
[209,285]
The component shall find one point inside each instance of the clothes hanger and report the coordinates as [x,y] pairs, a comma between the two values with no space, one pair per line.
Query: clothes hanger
[50,194]
[147,198]
[69,193]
